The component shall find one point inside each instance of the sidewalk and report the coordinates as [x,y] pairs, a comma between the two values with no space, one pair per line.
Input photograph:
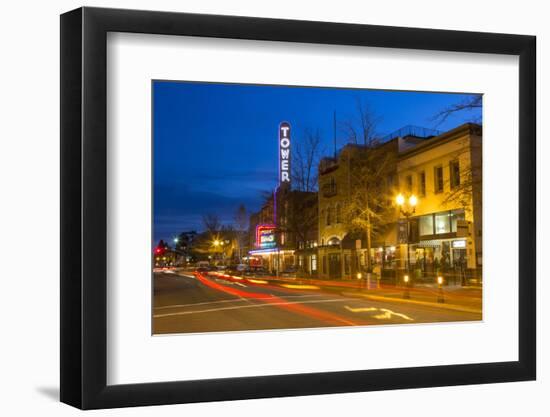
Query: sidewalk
[455,297]
[467,299]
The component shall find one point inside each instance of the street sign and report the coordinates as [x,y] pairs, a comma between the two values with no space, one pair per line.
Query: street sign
[284,153]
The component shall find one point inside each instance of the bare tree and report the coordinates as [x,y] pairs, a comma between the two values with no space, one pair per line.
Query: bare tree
[211,223]
[468,184]
[369,207]
[361,129]
[305,160]
[469,104]
[461,194]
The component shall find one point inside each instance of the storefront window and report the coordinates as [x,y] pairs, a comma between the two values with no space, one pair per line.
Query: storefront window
[442,223]
[313,263]
[426,225]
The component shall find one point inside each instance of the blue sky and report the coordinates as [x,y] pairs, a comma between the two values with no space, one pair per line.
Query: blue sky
[215,145]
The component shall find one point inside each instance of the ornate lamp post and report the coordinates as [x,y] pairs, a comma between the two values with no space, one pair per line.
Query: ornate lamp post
[407,207]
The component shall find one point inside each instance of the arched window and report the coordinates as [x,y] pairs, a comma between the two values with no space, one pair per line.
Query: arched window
[333,241]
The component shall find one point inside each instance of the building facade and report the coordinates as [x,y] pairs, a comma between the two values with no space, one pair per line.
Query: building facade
[284,233]
[342,244]
[445,173]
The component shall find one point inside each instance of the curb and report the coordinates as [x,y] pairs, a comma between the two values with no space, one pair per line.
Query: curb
[454,307]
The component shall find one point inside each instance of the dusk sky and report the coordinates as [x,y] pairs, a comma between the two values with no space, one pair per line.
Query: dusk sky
[215,145]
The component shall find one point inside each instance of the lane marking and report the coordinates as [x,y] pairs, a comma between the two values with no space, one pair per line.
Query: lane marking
[389,313]
[385,315]
[360,309]
[233,300]
[211,310]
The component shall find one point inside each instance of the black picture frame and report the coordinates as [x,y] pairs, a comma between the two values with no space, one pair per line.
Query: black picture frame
[84,207]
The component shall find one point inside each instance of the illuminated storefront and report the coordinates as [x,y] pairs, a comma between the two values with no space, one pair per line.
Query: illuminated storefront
[445,174]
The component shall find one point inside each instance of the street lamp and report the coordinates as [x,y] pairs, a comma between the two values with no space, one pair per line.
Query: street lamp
[176,240]
[407,207]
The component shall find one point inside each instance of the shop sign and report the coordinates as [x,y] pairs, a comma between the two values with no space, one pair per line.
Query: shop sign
[265,237]
[459,244]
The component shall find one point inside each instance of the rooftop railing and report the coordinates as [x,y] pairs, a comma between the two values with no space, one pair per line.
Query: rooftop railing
[410,130]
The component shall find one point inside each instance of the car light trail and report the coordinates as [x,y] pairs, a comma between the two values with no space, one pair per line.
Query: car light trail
[300,287]
[257,281]
[299,308]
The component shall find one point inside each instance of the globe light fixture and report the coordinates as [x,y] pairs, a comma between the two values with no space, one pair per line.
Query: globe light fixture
[400,199]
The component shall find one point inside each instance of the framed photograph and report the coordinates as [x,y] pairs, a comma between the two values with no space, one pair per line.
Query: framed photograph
[258,208]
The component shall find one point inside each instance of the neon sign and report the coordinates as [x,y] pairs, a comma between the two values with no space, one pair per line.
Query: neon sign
[284,153]
[265,236]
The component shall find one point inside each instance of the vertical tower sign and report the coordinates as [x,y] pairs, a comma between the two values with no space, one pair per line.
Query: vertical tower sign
[284,153]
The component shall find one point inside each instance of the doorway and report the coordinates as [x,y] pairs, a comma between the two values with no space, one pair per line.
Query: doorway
[334,266]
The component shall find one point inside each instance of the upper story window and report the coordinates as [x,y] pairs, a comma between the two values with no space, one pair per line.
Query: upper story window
[329,188]
[390,181]
[329,216]
[454,174]
[338,213]
[438,179]
[422,184]
[409,183]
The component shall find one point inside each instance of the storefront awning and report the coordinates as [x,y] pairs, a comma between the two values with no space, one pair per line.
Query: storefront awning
[428,244]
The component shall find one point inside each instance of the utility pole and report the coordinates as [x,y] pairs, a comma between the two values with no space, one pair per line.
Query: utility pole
[334,131]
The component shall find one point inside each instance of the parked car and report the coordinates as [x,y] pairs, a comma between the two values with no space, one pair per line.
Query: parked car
[256,271]
[290,272]
[236,269]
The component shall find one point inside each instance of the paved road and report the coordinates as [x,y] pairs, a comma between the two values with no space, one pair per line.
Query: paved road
[189,303]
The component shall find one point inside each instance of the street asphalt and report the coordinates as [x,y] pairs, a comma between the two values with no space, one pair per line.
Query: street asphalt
[186,302]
